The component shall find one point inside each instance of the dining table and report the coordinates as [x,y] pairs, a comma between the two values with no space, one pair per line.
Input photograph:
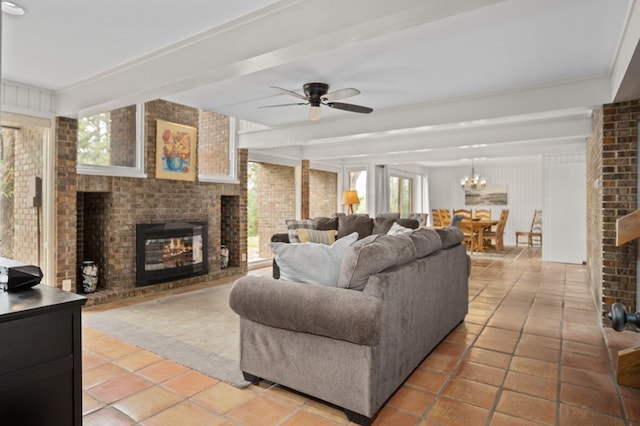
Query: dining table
[479,225]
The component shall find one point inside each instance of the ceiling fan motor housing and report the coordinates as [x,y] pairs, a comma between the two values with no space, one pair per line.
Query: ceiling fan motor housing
[315,92]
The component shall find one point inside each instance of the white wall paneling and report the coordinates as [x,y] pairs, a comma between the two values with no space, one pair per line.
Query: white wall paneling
[525,190]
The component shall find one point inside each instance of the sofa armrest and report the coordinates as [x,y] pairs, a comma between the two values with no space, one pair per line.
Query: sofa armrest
[326,311]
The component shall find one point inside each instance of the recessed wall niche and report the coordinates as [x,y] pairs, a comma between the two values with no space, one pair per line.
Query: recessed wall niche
[92,233]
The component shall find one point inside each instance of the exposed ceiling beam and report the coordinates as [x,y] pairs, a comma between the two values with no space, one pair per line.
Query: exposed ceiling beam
[234,50]
[556,129]
[574,94]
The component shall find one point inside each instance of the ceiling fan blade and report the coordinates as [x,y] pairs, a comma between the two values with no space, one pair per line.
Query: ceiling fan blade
[289,92]
[281,105]
[340,94]
[350,107]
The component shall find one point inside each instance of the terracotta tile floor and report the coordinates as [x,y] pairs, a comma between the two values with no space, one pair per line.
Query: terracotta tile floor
[531,351]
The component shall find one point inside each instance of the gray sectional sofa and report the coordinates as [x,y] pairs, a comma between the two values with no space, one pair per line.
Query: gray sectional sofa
[354,343]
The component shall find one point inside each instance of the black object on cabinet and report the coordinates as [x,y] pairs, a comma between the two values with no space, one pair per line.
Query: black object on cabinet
[41,356]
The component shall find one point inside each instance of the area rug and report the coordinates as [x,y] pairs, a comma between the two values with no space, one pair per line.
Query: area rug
[509,254]
[196,329]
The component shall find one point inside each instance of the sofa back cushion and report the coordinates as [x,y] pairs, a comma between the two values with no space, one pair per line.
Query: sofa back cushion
[312,263]
[382,225]
[325,223]
[450,236]
[427,241]
[354,223]
[371,255]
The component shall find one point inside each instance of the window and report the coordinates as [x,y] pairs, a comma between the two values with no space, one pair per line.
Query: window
[358,181]
[111,143]
[400,195]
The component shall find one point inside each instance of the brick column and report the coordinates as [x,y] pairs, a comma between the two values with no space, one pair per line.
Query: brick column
[66,197]
[619,197]
[304,188]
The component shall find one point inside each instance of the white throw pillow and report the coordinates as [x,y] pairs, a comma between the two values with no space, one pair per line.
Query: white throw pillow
[310,262]
[398,229]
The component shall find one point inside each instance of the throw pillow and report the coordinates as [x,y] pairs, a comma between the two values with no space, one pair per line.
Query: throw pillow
[315,236]
[293,225]
[397,229]
[371,255]
[312,263]
[354,223]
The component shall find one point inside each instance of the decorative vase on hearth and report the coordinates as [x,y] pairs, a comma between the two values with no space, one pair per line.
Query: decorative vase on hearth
[89,274]
[224,256]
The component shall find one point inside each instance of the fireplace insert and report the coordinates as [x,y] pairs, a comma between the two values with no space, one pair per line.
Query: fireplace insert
[170,251]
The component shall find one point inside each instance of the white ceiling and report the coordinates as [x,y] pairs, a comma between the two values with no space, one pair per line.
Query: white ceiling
[448,81]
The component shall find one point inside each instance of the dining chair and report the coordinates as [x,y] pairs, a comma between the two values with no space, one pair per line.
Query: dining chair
[463,212]
[483,214]
[534,234]
[470,238]
[495,239]
[445,217]
[435,217]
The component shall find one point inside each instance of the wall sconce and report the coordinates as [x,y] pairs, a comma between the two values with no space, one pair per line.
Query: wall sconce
[349,198]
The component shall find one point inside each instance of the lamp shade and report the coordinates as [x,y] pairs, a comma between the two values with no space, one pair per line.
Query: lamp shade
[350,197]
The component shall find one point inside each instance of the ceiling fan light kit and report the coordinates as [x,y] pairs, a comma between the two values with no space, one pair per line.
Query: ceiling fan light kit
[317,94]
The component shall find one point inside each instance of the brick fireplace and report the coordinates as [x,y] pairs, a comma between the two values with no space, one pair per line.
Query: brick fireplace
[97,215]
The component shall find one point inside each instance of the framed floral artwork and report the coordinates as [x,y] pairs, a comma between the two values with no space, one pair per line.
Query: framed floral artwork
[175,151]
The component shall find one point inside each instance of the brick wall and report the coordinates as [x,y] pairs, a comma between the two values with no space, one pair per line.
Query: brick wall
[213,143]
[27,223]
[112,206]
[322,195]
[66,187]
[276,202]
[619,144]
[123,136]
[276,198]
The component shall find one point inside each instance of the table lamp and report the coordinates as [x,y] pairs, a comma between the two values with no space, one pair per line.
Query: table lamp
[349,198]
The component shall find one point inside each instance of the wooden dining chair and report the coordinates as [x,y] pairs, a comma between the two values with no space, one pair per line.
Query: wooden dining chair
[495,239]
[445,217]
[534,234]
[463,212]
[483,214]
[435,217]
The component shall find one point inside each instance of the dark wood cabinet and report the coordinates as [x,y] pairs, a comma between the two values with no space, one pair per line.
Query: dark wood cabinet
[41,356]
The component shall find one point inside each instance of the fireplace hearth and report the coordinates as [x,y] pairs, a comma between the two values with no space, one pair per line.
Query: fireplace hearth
[170,251]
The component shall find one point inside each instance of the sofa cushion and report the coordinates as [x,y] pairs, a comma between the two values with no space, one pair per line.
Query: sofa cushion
[312,263]
[325,223]
[294,224]
[371,255]
[427,241]
[319,237]
[397,229]
[381,225]
[408,223]
[354,223]
[450,236]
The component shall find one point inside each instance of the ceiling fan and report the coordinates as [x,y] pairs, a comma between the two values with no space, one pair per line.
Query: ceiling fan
[316,94]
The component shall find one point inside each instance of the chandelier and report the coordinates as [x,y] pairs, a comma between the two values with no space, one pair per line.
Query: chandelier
[473,183]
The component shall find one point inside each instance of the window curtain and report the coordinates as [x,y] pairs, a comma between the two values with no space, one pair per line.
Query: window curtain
[425,204]
[382,189]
